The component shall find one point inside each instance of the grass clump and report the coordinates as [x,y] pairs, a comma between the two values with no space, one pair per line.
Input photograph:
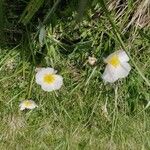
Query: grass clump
[85,113]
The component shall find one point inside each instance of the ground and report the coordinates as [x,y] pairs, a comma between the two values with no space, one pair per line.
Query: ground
[86,113]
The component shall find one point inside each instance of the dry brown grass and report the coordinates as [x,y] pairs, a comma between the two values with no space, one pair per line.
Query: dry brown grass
[139,14]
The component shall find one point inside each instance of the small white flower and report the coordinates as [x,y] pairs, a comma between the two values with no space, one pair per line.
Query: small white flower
[48,79]
[27,104]
[117,66]
[92,60]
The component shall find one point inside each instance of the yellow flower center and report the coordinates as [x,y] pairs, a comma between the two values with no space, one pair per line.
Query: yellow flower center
[49,78]
[27,103]
[114,61]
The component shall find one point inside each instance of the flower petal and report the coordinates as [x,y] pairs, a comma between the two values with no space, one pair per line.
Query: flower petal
[47,87]
[109,74]
[110,56]
[123,70]
[123,57]
[49,70]
[22,107]
[59,82]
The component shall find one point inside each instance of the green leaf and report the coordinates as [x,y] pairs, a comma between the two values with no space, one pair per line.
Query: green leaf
[30,11]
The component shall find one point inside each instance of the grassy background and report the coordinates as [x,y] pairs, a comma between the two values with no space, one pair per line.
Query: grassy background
[85,113]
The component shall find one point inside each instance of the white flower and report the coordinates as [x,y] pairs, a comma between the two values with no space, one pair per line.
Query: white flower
[117,66]
[27,104]
[48,79]
[92,60]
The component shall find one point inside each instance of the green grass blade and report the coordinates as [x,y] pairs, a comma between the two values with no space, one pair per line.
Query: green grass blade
[30,11]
